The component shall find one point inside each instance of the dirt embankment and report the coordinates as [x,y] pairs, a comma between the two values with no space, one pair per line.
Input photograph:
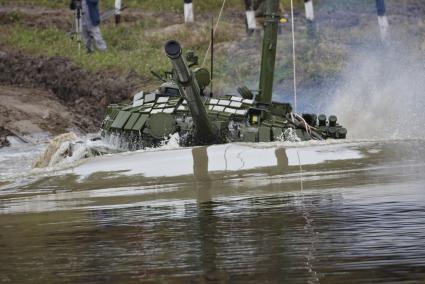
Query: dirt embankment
[32,113]
[43,17]
[34,16]
[54,95]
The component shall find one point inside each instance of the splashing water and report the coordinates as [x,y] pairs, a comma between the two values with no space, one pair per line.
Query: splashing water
[68,148]
[172,142]
[381,94]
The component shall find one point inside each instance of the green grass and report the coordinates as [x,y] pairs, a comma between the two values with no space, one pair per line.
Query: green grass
[138,46]
[132,47]
[135,49]
[152,5]
[123,55]
[168,5]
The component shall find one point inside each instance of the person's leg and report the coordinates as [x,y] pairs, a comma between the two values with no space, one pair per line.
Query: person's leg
[117,11]
[87,39]
[86,26]
[188,11]
[98,39]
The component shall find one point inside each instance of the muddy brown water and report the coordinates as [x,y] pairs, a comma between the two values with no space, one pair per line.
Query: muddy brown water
[355,213]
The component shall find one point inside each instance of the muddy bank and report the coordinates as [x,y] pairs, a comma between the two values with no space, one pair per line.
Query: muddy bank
[34,114]
[58,82]
[43,17]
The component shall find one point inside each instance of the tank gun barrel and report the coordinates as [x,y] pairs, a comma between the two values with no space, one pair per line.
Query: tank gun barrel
[205,132]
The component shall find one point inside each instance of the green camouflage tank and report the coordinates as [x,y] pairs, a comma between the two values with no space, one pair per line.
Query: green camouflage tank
[182,107]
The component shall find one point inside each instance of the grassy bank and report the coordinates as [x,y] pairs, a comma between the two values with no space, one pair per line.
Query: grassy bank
[137,44]
[151,5]
[132,47]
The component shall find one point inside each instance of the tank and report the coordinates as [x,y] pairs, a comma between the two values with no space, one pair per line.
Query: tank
[183,109]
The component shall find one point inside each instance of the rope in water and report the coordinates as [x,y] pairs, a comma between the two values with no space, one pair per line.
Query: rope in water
[309,228]
[215,29]
[294,56]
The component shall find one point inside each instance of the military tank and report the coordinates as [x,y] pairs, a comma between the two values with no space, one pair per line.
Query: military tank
[183,108]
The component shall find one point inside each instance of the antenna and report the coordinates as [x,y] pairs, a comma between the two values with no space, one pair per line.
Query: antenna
[212,54]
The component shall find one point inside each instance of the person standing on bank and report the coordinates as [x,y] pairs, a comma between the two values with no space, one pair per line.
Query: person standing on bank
[90,31]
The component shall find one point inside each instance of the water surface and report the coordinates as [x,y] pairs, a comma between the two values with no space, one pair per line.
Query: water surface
[351,213]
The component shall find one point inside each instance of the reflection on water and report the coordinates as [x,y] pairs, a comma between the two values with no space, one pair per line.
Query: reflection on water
[358,220]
